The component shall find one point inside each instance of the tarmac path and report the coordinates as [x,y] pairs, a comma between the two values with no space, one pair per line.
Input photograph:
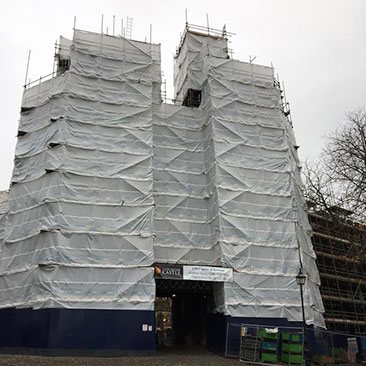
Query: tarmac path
[160,359]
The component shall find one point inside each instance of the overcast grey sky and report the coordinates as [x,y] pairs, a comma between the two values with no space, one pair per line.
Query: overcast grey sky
[317,47]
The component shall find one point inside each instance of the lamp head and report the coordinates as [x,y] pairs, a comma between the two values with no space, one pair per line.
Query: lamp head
[300,278]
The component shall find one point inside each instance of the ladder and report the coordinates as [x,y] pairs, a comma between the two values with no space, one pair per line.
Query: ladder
[128,27]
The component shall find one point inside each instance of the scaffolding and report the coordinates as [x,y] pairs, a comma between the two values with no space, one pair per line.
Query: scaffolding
[108,177]
[340,247]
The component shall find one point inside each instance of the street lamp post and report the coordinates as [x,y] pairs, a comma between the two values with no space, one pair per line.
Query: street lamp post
[300,279]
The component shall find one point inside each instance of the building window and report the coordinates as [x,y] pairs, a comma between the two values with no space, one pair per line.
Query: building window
[63,65]
[192,98]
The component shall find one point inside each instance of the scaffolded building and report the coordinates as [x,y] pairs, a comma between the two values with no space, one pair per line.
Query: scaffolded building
[109,181]
[339,244]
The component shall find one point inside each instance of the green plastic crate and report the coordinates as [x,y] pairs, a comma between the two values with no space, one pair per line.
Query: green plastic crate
[263,334]
[271,346]
[292,337]
[269,357]
[292,359]
[292,347]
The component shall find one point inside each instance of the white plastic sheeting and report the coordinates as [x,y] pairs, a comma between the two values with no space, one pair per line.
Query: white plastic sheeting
[3,211]
[186,210]
[78,229]
[257,190]
[108,181]
[82,287]
[64,48]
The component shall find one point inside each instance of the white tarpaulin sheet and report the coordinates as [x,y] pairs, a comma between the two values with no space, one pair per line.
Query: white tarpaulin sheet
[186,212]
[107,181]
[79,223]
[3,211]
[255,190]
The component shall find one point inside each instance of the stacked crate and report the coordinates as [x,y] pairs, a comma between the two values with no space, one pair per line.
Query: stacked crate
[292,348]
[269,346]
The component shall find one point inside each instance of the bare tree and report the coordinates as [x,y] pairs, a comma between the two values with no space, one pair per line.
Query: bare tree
[339,176]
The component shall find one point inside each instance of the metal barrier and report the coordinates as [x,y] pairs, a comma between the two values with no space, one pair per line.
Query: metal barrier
[232,345]
[258,344]
[263,345]
[336,348]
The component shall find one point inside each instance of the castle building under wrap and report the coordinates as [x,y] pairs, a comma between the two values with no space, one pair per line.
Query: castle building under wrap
[110,183]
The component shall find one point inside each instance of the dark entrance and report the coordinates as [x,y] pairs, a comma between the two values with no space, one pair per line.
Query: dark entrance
[181,311]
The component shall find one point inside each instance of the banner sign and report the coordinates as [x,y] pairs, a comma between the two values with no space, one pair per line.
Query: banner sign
[193,273]
[168,271]
[203,273]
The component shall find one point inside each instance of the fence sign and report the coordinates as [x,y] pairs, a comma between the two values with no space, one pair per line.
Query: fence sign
[352,345]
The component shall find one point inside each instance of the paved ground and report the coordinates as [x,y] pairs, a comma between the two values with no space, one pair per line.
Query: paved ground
[161,359]
[203,359]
